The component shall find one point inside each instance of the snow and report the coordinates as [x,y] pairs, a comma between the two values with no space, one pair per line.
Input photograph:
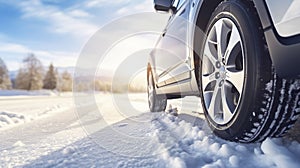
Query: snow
[26,93]
[17,110]
[199,148]
[132,139]
[18,144]
[7,119]
[281,156]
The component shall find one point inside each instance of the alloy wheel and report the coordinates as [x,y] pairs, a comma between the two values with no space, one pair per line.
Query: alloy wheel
[223,71]
[150,90]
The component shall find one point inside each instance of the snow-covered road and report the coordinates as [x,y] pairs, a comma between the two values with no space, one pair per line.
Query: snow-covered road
[50,132]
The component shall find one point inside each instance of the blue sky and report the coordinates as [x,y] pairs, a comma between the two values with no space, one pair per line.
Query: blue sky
[56,30]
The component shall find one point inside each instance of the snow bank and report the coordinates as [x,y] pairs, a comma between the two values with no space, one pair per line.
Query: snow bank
[181,141]
[280,155]
[18,144]
[185,145]
[8,119]
[26,93]
[11,119]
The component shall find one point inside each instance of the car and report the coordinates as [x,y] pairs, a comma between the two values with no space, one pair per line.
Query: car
[241,57]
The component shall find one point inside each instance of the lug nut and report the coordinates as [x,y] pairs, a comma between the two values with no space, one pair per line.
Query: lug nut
[218,64]
[217,75]
[221,83]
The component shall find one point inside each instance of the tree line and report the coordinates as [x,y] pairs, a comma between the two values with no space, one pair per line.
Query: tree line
[32,76]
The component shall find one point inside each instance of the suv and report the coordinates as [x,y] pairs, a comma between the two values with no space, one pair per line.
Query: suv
[241,57]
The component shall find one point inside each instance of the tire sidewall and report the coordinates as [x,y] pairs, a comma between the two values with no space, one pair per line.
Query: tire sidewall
[159,102]
[151,106]
[252,52]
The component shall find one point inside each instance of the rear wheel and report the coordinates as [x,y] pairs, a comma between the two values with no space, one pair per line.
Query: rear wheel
[157,103]
[243,98]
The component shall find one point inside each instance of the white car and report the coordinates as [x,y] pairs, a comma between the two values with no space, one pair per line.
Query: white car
[241,57]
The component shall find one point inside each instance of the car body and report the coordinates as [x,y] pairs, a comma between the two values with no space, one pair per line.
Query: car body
[175,62]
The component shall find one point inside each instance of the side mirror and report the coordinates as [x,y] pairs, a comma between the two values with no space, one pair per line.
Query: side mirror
[163,5]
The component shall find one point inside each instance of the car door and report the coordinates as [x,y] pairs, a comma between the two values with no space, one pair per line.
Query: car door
[171,52]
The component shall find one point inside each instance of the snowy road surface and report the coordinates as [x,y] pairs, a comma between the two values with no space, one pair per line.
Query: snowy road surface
[49,131]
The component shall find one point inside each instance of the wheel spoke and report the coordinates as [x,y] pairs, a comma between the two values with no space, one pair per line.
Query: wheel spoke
[221,33]
[227,113]
[211,55]
[214,102]
[150,91]
[206,80]
[236,79]
[233,41]
[219,37]
[150,100]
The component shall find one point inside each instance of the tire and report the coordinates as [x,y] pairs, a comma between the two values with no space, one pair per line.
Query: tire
[157,103]
[242,97]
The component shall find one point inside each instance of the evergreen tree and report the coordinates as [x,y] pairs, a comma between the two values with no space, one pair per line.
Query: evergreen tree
[5,82]
[50,80]
[30,76]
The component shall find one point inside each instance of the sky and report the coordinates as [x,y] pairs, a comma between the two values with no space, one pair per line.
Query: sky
[56,30]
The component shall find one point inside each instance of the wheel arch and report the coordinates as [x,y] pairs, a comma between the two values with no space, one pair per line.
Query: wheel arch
[204,11]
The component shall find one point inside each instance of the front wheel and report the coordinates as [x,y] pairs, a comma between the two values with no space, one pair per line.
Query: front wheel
[243,98]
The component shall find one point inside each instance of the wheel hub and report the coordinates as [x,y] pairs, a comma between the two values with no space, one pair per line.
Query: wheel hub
[222,72]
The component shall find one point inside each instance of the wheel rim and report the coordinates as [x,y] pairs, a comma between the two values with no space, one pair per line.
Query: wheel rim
[223,71]
[150,90]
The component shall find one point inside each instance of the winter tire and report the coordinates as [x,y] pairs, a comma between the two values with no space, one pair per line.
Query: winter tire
[157,103]
[243,98]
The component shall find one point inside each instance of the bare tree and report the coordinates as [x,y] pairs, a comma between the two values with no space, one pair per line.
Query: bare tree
[50,80]
[30,76]
[5,82]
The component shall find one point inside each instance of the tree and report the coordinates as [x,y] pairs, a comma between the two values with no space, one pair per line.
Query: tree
[102,86]
[50,80]
[5,82]
[65,82]
[30,76]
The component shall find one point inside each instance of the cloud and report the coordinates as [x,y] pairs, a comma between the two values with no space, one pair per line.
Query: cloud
[79,13]
[15,48]
[59,58]
[75,20]
[78,20]
[102,3]
[146,6]
[68,22]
